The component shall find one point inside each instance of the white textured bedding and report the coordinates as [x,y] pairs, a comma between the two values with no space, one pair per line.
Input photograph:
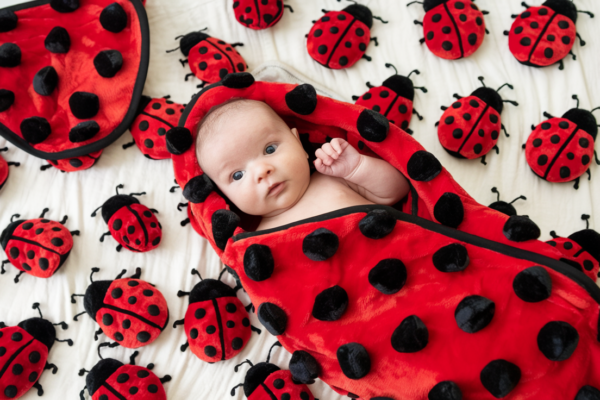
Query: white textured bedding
[279,54]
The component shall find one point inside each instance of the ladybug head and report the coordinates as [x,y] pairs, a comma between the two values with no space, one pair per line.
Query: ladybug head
[588,239]
[583,119]
[42,330]
[188,41]
[361,13]
[100,373]
[117,202]
[256,375]
[491,96]
[208,289]
[7,232]
[504,207]
[564,7]
[401,85]
[431,4]
[93,300]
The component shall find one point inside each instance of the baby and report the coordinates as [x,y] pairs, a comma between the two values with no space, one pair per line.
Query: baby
[259,163]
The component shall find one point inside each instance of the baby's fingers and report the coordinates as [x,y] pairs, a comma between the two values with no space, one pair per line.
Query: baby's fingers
[325,158]
[330,151]
[339,145]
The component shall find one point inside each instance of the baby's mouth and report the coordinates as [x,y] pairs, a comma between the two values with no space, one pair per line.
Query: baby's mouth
[275,189]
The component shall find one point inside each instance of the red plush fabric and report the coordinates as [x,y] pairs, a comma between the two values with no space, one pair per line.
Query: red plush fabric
[118,96]
[3,171]
[284,385]
[138,228]
[19,352]
[77,163]
[142,384]
[211,59]
[397,109]
[258,15]
[400,345]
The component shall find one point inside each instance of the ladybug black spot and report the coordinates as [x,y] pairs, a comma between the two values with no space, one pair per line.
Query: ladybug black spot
[518,29]
[557,340]
[119,336]
[84,105]
[302,99]
[246,322]
[322,49]
[563,125]
[33,377]
[542,160]
[16,337]
[410,336]
[372,126]
[548,53]
[286,396]
[388,276]
[334,29]
[273,318]
[200,313]
[341,17]
[162,132]
[551,38]
[344,60]
[384,94]
[404,125]
[446,390]
[122,378]
[318,33]
[526,14]
[367,96]
[330,304]
[423,166]
[113,18]
[34,357]
[449,210]
[64,6]
[143,126]
[218,56]
[58,41]
[478,20]
[585,160]
[210,351]
[462,17]
[132,283]
[519,228]
[126,324]
[525,41]
[31,254]
[377,224]
[436,18]
[75,162]
[45,81]
[456,105]
[17,369]
[148,293]
[500,377]
[143,336]
[230,324]
[354,360]
[467,116]
[116,293]
[7,98]
[156,106]
[26,266]
[566,40]
[402,109]
[203,65]
[481,133]
[477,148]
[472,39]
[153,310]
[583,142]
[57,242]
[14,252]
[133,390]
[359,32]
[588,393]
[451,258]
[278,383]
[222,73]
[376,108]
[83,131]
[108,63]
[107,319]
[43,263]
[237,343]
[546,126]
[10,391]
[449,120]
[10,55]
[198,188]
[543,11]
[459,5]
[588,265]
[2,351]
[152,388]
[565,172]
[534,25]
[563,24]
[537,142]
[320,244]
[240,80]
[446,45]
[132,300]
[429,35]
[258,262]
[8,20]
[147,214]
[303,366]
[474,313]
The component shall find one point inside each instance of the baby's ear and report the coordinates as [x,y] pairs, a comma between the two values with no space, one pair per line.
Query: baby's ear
[295,132]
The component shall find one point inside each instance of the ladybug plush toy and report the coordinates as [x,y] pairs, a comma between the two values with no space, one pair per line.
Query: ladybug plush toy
[470,127]
[216,322]
[544,35]
[504,207]
[209,58]
[561,149]
[75,163]
[453,29]
[38,247]
[4,168]
[130,311]
[111,379]
[393,99]
[255,15]
[132,224]
[24,353]
[340,38]
[265,381]
[155,118]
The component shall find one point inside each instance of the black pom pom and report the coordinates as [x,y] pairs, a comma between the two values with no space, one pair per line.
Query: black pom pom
[320,244]
[64,6]
[304,367]
[372,126]
[388,276]
[108,63]
[8,20]
[330,304]
[239,80]
[179,140]
[588,393]
[354,360]
[198,188]
[519,228]
[500,377]
[474,313]
[377,224]
[35,129]
[258,262]
[410,336]
[224,223]
[302,100]
[273,318]
[84,105]
[45,81]
[446,390]
[113,18]
[10,55]
[449,210]
[533,284]
[557,340]
[7,98]
[451,258]
[423,166]
[84,131]
[58,41]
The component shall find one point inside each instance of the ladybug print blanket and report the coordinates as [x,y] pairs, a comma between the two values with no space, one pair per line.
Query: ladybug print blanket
[439,294]
[71,74]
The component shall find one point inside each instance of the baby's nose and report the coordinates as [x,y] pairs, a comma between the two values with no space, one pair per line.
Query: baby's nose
[263,171]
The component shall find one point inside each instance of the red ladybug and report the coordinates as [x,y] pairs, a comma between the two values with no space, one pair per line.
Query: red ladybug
[255,15]
[130,311]
[504,207]
[216,322]
[74,164]
[542,36]
[471,126]
[38,247]
[453,29]
[132,224]
[581,249]
[155,118]
[24,353]
[265,381]
[393,99]
[340,38]
[4,168]
[209,58]
[561,149]
[111,379]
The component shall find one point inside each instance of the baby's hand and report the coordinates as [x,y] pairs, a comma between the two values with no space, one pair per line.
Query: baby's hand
[337,158]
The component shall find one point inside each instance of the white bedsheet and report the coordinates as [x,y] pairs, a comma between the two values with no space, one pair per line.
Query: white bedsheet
[269,53]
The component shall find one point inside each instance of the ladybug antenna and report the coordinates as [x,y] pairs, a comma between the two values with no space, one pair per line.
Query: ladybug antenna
[554,235]
[416,71]
[235,387]
[132,357]
[481,79]
[222,272]
[137,194]
[597,108]
[574,97]
[495,190]
[586,12]
[14,216]
[83,371]
[514,103]
[379,18]
[506,84]
[520,197]
[82,391]
[413,2]
[195,272]
[95,269]
[242,363]
[123,271]
[44,211]
[3,149]
[73,301]
[388,65]
[272,347]
[120,186]
[106,344]
[65,218]
[181,293]
[78,315]
[138,273]
[95,211]
[63,325]
[586,218]
[36,306]
[68,341]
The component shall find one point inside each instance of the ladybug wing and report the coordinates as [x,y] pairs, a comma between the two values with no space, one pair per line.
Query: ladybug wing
[235,325]
[212,59]
[378,99]
[470,23]
[351,40]
[555,43]
[3,171]
[452,128]
[576,154]
[150,226]
[151,125]
[22,361]
[134,382]
[280,382]
[77,163]
[485,134]
[203,328]
[525,32]
[400,112]
[255,16]
[439,28]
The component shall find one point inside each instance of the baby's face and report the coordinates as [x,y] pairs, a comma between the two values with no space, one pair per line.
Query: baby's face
[256,160]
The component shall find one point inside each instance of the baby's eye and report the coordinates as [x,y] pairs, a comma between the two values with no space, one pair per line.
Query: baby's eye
[271,149]
[238,175]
